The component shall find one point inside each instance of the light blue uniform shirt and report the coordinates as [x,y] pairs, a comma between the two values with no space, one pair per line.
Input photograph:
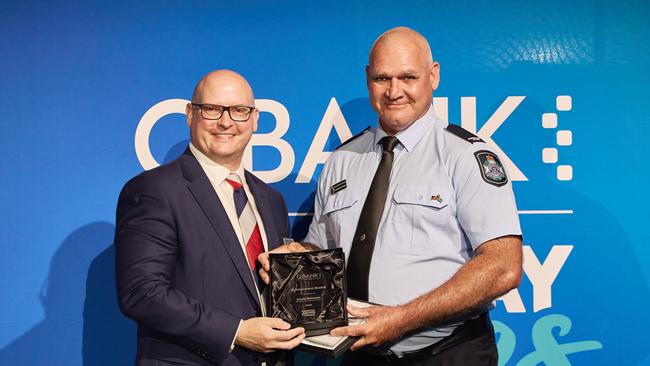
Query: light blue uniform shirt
[439,210]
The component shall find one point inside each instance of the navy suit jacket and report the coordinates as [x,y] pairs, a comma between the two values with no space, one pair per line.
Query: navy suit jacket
[180,270]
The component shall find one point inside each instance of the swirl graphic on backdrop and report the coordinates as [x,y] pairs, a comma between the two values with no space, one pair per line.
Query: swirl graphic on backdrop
[547,349]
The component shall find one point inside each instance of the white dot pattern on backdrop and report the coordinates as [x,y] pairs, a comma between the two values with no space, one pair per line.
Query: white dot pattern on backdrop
[551,155]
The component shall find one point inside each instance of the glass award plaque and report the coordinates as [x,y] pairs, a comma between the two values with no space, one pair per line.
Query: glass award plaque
[308,290]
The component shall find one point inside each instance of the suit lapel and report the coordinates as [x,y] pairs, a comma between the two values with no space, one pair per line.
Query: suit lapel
[209,202]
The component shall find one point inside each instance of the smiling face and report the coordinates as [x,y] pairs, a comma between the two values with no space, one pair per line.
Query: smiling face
[401,78]
[222,140]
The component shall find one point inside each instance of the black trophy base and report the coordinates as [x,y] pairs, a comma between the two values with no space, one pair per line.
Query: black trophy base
[322,328]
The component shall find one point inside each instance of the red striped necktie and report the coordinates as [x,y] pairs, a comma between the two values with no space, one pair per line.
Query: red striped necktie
[249,228]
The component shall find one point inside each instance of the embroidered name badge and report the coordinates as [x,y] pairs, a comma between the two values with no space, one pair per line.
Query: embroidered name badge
[338,186]
[491,168]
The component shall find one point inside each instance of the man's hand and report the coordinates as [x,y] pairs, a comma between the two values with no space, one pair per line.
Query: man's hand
[263,258]
[383,324]
[268,334]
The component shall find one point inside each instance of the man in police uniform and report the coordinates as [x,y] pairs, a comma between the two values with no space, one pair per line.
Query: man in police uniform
[448,240]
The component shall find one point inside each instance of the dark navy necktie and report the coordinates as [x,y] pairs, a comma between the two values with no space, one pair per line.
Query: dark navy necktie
[363,243]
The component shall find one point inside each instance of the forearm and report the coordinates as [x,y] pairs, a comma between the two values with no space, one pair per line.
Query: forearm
[495,270]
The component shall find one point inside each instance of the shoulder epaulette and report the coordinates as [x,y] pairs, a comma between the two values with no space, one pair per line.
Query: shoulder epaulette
[463,133]
[353,137]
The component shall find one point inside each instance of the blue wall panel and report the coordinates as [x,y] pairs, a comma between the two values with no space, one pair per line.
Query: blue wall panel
[77,79]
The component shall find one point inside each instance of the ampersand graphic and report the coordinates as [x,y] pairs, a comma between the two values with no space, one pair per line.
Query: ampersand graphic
[547,349]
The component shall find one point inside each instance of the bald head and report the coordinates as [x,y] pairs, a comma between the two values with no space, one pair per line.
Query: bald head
[401,77]
[223,81]
[401,38]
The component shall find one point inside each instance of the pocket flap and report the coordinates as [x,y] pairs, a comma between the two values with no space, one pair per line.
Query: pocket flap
[338,201]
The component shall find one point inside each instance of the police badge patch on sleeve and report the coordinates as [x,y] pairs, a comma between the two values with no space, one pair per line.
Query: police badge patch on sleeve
[491,168]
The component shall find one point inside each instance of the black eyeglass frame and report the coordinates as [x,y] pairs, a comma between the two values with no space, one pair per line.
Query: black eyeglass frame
[224,108]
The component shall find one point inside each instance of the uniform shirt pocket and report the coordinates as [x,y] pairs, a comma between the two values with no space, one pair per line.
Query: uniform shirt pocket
[421,220]
[337,213]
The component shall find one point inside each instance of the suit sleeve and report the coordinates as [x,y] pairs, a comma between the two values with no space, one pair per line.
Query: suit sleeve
[146,250]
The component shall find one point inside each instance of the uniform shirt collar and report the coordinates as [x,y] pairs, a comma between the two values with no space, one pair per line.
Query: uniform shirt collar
[412,134]
[216,172]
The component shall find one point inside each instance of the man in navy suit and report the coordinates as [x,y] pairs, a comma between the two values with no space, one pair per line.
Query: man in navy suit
[187,237]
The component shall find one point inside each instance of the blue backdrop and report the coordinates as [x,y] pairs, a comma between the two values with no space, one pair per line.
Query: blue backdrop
[91,94]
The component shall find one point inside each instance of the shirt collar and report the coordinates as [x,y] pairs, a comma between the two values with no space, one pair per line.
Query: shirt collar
[216,172]
[412,134]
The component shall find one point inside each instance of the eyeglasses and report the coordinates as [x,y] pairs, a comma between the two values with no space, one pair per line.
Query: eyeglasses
[238,113]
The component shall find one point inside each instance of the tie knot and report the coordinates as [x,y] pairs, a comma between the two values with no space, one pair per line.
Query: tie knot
[234,181]
[389,143]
